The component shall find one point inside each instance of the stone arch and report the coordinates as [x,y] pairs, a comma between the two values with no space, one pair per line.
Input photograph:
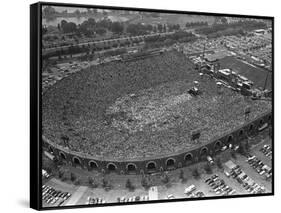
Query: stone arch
[131,167]
[203,152]
[111,167]
[269,118]
[76,161]
[51,150]
[230,139]
[188,158]
[217,146]
[241,132]
[62,156]
[151,166]
[170,163]
[251,127]
[93,164]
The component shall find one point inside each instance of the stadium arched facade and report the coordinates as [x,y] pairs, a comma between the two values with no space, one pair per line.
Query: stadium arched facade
[160,163]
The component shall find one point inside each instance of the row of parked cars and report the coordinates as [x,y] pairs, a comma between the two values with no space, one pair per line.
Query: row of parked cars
[45,174]
[267,150]
[260,167]
[246,182]
[53,197]
[219,186]
[132,199]
[95,200]
[191,192]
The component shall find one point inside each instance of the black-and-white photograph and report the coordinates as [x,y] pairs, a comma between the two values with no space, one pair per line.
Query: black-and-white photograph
[141,106]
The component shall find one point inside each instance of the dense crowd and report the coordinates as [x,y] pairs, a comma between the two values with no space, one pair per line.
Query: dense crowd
[75,110]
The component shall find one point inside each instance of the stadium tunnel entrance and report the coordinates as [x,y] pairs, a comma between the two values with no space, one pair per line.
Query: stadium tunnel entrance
[93,165]
[204,153]
[171,164]
[218,146]
[76,161]
[188,158]
[111,167]
[62,156]
[131,168]
[151,167]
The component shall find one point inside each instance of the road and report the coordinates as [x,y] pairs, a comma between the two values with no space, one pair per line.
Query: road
[53,49]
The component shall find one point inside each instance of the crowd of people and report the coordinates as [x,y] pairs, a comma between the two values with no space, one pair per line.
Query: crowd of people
[74,109]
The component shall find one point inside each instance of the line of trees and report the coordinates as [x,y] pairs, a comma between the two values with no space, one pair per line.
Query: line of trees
[233,28]
[168,40]
[196,24]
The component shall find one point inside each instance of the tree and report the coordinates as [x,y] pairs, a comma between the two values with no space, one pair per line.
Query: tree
[233,154]
[69,27]
[165,178]
[208,168]
[62,23]
[72,177]
[145,183]
[195,173]
[100,31]
[61,173]
[224,20]
[182,177]
[219,163]
[49,11]
[77,181]
[159,27]
[129,185]
[105,184]
[92,182]
[117,27]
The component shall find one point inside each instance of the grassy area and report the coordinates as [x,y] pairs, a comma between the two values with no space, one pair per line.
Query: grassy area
[255,74]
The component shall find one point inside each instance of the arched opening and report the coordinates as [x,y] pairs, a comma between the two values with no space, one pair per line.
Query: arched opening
[93,164]
[241,133]
[76,161]
[229,139]
[170,163]
[188,158]
[269,118]
[131,168]
[251,128]
[151,166]
[218,146]
[261,123]
[204,153]
[62,156]
[51,150]
[111,167]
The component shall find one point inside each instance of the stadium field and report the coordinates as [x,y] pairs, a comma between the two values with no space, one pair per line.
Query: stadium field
[255,74]
[140,108]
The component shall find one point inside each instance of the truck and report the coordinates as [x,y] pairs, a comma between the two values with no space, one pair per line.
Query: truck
[189,189]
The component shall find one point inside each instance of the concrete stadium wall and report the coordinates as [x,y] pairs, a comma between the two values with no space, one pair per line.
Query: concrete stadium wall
[163,163]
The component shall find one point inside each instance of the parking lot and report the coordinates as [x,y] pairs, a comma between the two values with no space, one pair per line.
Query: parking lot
[236,177]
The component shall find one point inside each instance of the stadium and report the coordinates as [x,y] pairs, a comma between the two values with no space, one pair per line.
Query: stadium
[141,115]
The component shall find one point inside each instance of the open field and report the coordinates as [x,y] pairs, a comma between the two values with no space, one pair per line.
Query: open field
[255,74]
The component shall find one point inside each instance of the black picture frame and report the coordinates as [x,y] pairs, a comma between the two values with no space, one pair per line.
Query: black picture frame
[36,147]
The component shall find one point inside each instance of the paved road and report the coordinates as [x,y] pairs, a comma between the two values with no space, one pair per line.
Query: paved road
[52,49]
[76,196]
